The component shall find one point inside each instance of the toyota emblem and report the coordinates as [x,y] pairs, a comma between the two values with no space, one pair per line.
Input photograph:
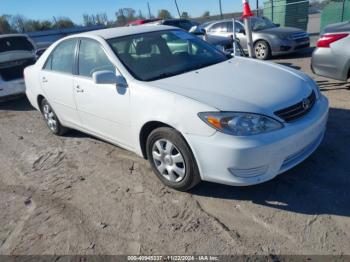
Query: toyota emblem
[306,104]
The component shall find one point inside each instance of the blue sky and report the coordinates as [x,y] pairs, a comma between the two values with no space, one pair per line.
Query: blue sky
[46,9]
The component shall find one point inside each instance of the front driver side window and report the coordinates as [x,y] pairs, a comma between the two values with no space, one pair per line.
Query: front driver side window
[239,27]
[92,58]
[62,57]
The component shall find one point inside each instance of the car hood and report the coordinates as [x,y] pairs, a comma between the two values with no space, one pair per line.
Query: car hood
[241,84]
[280,30]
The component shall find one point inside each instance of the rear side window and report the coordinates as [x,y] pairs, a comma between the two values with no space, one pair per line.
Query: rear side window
[219,28]
[62,57]
[15,43]
[92,58]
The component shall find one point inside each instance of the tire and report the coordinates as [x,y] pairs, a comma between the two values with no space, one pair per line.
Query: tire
[262,50]
[51,119]
[171,159]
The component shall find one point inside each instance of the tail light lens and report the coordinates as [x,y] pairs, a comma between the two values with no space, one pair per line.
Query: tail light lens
[328,39]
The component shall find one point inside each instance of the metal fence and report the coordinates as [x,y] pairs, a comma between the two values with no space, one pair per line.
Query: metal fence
[335,11]
[294,13]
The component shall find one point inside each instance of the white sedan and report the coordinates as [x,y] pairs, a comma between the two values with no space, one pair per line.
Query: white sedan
[172,98]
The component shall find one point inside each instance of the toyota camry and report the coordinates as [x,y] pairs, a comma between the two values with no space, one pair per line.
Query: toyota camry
[192,111]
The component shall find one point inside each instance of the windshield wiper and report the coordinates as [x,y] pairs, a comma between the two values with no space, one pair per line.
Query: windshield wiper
[163,75]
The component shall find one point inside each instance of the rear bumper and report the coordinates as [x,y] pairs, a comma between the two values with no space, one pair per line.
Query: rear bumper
[325,63]
[243,161]
[12,88]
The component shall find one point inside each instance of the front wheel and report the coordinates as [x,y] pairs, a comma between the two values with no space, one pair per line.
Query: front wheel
[262,50]
[172,159]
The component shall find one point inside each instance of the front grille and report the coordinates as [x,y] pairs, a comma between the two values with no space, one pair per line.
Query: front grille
[301,35]
[14,70]
[302,46]
[298,110]
[301,40]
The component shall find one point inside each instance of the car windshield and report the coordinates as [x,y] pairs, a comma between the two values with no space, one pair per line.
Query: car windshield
[161,54]
[259,23]
[15,43]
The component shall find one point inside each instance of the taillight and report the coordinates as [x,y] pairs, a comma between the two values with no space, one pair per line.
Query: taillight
[328,39]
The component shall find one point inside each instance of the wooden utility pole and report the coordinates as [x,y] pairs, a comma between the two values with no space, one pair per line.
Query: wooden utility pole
[177,7]
[222,17]
[149,11]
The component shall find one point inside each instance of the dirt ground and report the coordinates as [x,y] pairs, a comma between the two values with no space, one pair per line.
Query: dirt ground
[79,195]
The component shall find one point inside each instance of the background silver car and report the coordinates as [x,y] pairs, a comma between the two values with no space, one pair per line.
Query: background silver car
[332,55]
[269,39]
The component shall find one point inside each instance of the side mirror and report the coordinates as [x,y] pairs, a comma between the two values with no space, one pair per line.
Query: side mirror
[196,30]
[109,77]
[241,31]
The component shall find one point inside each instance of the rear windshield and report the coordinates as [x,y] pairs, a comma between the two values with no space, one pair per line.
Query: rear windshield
[15,43]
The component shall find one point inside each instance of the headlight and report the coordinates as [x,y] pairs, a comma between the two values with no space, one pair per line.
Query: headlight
[240,124]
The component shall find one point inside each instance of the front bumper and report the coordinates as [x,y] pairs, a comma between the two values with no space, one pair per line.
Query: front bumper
[281,47]
[243,161]
[11,88]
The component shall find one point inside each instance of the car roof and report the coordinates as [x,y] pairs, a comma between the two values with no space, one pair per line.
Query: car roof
[124,31]
[176,20]
[13,35]
[220,21]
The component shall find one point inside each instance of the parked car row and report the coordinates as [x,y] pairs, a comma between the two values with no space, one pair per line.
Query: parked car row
[195,113]
[268,38]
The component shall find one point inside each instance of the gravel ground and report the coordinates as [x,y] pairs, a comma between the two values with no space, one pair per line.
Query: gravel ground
[79,195]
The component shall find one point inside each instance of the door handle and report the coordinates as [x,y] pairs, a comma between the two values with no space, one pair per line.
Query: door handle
[79,89]
[44,80]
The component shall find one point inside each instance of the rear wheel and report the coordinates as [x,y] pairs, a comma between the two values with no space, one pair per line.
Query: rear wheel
[262,50]
[51,119]
[171,159]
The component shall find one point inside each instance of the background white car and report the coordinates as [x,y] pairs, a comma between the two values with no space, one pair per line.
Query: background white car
[16,52]
[193,112]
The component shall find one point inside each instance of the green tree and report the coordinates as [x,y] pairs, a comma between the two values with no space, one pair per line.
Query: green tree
[206,14]
[46,25]
[64,22]
[5,26]
[164,14]
[88,20]
[98,19]
[121,18]
[125,15]
[185,15]
[18,23]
